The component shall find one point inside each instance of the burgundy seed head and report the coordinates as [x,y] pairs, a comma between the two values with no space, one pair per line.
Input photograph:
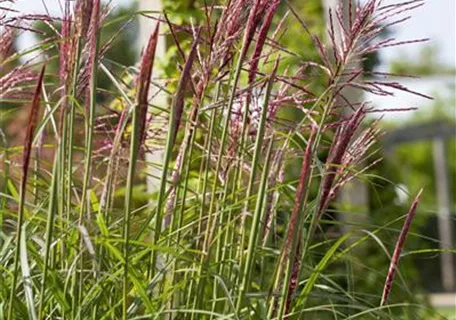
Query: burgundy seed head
[32,122]
[338,149]
[398,248]
[143,83]
[83,10]
[178,101]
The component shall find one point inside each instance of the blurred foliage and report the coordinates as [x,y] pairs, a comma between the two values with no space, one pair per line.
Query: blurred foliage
[414,160]
[294,37]
[417,170]
[426,64]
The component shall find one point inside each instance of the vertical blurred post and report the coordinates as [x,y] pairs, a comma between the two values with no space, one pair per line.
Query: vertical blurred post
[444,213]
[354,195]
[154,159]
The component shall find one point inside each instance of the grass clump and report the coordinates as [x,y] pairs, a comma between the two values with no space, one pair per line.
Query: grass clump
[254,152]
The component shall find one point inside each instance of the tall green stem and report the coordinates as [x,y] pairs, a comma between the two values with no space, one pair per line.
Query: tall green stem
[135,136]
[49,232]
[245,275]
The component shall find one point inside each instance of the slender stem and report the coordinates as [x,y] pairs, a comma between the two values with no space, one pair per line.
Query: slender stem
[135,136]
[253,239]
[207,237]
[20,222]
[6,170]
[49,232]
[255,163]
[161,193]
[71,116]
[90,122]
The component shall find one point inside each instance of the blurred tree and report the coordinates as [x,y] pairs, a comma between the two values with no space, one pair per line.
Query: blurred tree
[426,64]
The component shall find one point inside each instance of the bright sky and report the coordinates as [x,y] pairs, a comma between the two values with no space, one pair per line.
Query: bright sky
[435,20]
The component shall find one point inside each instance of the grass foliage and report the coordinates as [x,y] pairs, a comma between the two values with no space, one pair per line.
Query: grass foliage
[239,223]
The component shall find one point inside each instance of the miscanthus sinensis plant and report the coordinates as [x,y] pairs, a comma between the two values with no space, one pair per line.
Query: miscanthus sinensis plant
[229,233]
